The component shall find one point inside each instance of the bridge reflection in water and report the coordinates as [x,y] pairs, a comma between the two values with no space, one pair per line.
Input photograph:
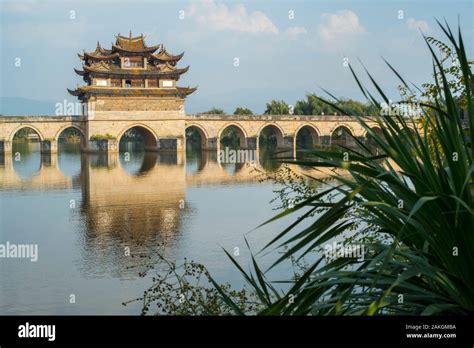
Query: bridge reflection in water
[125,199]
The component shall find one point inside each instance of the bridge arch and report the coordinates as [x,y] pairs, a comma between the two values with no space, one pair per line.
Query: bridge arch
[150,137]
[79,129]
[277,131]
[16,130]
[201,131]
[31,163]
[82,136]
[341,134]
[344,125]
[311,130]
[241,133]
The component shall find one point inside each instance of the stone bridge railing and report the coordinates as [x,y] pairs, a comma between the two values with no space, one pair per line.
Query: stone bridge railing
[170,134]
[263,117]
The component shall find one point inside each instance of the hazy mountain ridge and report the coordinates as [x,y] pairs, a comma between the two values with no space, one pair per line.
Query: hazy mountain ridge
[18,106]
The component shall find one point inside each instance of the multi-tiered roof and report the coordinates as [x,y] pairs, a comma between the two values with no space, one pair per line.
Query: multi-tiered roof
[130,68]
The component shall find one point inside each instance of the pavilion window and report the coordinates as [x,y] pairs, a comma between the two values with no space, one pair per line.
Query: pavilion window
[128,83]
[167,83]
[101,82]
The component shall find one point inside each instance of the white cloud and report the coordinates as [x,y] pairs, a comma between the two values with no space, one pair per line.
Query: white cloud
[413,24]
[219,17]
[295,31]
[340,27]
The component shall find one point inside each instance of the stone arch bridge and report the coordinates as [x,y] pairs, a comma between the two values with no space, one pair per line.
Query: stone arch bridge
[170,134]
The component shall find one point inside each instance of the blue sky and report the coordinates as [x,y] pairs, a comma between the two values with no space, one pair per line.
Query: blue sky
[285,49]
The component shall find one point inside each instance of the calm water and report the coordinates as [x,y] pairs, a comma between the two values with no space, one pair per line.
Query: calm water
[84,211]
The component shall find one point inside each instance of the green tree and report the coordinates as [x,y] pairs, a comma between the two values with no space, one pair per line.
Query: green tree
[230,137]
[276,107]
[242,111]
[354,107]
[214,111]
[24,133]
[452,69]
[313,105]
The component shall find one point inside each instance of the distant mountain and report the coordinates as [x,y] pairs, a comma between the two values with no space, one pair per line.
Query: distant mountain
[17,106]
[252,98]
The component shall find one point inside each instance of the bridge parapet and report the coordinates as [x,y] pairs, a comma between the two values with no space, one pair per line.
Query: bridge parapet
[48,129]
[286,127]
[100,135]
[43,118]
[308,118]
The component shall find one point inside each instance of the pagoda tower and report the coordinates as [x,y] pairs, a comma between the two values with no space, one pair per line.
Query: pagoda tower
[132,84]
[130,68]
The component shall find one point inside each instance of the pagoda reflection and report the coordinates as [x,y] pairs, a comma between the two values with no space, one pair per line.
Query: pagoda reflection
[133,203]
